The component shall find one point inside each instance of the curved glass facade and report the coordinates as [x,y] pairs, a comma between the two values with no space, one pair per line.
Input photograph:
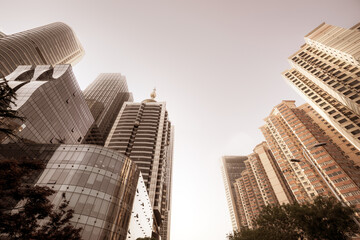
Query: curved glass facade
[99,183]
[51,101]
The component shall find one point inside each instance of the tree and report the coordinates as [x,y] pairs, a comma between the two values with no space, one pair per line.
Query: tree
[25,210]
[7,97]
[324,218]
[261,234]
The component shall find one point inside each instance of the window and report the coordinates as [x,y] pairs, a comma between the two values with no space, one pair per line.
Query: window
[353,96]
[349,126]
[347,92]
[342,120]
[355,132]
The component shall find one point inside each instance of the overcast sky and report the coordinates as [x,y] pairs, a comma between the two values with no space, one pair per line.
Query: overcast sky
[217,64]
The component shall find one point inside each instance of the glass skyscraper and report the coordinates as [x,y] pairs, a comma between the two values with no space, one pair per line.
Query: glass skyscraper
[61,122]
[52,103]
[52,44]
[105,97]
[99,183]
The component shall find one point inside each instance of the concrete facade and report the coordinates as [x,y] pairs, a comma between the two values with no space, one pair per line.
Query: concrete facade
[291,133]
[326,73]
[143,132]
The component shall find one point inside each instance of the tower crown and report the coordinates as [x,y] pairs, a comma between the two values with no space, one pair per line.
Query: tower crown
[152,95]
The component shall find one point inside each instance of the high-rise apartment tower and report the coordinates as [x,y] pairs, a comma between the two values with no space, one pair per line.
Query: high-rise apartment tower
[252,182]
[326,72]
[52,44]
[310,160]
[143,132]
[231,169]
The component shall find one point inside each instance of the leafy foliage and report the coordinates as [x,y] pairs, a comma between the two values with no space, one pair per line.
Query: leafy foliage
[7,97]
[324,218]
[25,210]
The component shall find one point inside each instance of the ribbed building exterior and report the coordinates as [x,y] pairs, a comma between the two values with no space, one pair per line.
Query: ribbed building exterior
[99,183]
[271,175]
[351,152]
[105,97]
[255,188]
[52,44]
[231,169]
[143,132]
[250,194]
[166,224]
[293,133]
[252,182]
[326,73]
[52,103]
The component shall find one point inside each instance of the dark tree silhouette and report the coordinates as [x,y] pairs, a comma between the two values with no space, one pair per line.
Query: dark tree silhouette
[7,97]
[324,218]
[25,210]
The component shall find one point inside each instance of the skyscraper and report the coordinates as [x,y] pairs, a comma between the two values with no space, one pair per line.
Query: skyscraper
[252,182]
[351,153]
[105,97]
[51,44]
[255,188]
[311,162]
[52,103]
[272,174]
[231,169]
[326,72]
[143,132]
[100,185]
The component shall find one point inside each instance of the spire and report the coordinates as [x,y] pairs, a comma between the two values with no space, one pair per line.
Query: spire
[153,94]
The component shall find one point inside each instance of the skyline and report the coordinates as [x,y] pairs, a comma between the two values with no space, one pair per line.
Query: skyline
[181,65]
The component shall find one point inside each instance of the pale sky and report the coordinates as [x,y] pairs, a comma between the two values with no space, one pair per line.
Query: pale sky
[217,64]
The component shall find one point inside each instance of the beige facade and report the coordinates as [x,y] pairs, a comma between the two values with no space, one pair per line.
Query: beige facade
[273,173]
[231,169]
[143,132]
[326,73]
[252,182]
[253,192]
[351,153]
[52,44]
[255,187]
[291,133]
